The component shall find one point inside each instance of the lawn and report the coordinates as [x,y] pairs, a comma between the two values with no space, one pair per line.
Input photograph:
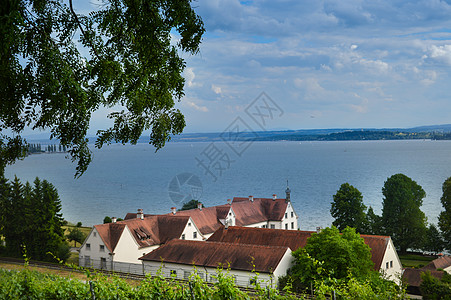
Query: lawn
[85,230]
[415,260]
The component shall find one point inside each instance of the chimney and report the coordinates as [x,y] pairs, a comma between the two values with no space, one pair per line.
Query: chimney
[140,214]
[199,205]
[114,219]
[318,229]
[174,210]
[274,197]
[229,201]
[251,198]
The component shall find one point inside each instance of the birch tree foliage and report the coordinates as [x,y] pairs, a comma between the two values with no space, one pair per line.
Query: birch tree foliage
[58,66]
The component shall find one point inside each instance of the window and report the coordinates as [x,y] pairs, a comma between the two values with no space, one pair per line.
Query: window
[87,261]
[292,214]
[173,273]
[95,234]
[88,247]
[230,213]
[252,281]
[189,224]
[186,274]
[273,226]
[386,265]
[292,225]
[286,226]
[102,248]
[201,275]
[263,226]
[194,235]
[391,264]
[102,263]
[183,236]
[286,215]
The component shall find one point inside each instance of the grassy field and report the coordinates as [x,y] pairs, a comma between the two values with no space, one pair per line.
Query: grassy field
[85,230]
[415,260]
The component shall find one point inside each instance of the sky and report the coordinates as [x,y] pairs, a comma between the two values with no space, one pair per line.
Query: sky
[324,64]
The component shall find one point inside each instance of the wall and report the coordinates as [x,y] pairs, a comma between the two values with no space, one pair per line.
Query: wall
[94,241]
[242,278]
[189,231]
[391,265]
[291,218]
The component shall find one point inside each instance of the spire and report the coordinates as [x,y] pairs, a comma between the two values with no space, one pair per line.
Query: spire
[288,192]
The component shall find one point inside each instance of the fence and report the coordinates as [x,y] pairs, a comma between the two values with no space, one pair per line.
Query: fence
[180,273]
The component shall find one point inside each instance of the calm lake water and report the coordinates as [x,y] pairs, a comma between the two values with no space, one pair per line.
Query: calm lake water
[122,179]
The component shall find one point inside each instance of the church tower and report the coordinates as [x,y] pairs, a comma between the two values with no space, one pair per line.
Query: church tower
[287,192]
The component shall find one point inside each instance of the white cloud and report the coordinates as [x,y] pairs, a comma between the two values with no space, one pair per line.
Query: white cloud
[441,54]
[196,107]
[216,89]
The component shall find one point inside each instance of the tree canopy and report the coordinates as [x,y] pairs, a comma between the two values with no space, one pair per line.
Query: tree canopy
[402,217]
[444,220]
[348,209]
[127,55]
[329,254]
[31,220]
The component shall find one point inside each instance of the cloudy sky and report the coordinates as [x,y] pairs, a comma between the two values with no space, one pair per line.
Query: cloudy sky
[326,64]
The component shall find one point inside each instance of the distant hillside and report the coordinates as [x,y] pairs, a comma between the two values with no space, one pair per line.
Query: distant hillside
[436,132]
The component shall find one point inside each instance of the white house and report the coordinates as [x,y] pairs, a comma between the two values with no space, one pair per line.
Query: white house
[119,245]
[248,212]
[180,259]
[383,253]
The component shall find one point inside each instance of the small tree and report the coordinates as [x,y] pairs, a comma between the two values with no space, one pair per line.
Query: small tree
[190,204]
[329,254]
[444,219]
[434,242]
[348,209]
[402,218]
[107,220]
[76,235]
[374,222]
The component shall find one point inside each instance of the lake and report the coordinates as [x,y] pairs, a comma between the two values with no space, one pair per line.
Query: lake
[122,178]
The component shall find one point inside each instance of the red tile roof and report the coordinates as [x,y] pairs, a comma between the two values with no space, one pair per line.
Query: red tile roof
[110,234]
[247,212]
[264,259]
[439,263]
[293,239]
[152,230]
[413,276]
[208,219]
[260,210]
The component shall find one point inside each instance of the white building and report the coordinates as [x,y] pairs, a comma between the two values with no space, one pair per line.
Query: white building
[383,253]
[180,259]
[118,245]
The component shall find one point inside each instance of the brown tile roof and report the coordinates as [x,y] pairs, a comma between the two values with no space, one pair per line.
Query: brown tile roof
[413,276]
[260,210]
[152,230]
[213,254]
[207,220]
[439,263]
[293,239]
[110,234]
